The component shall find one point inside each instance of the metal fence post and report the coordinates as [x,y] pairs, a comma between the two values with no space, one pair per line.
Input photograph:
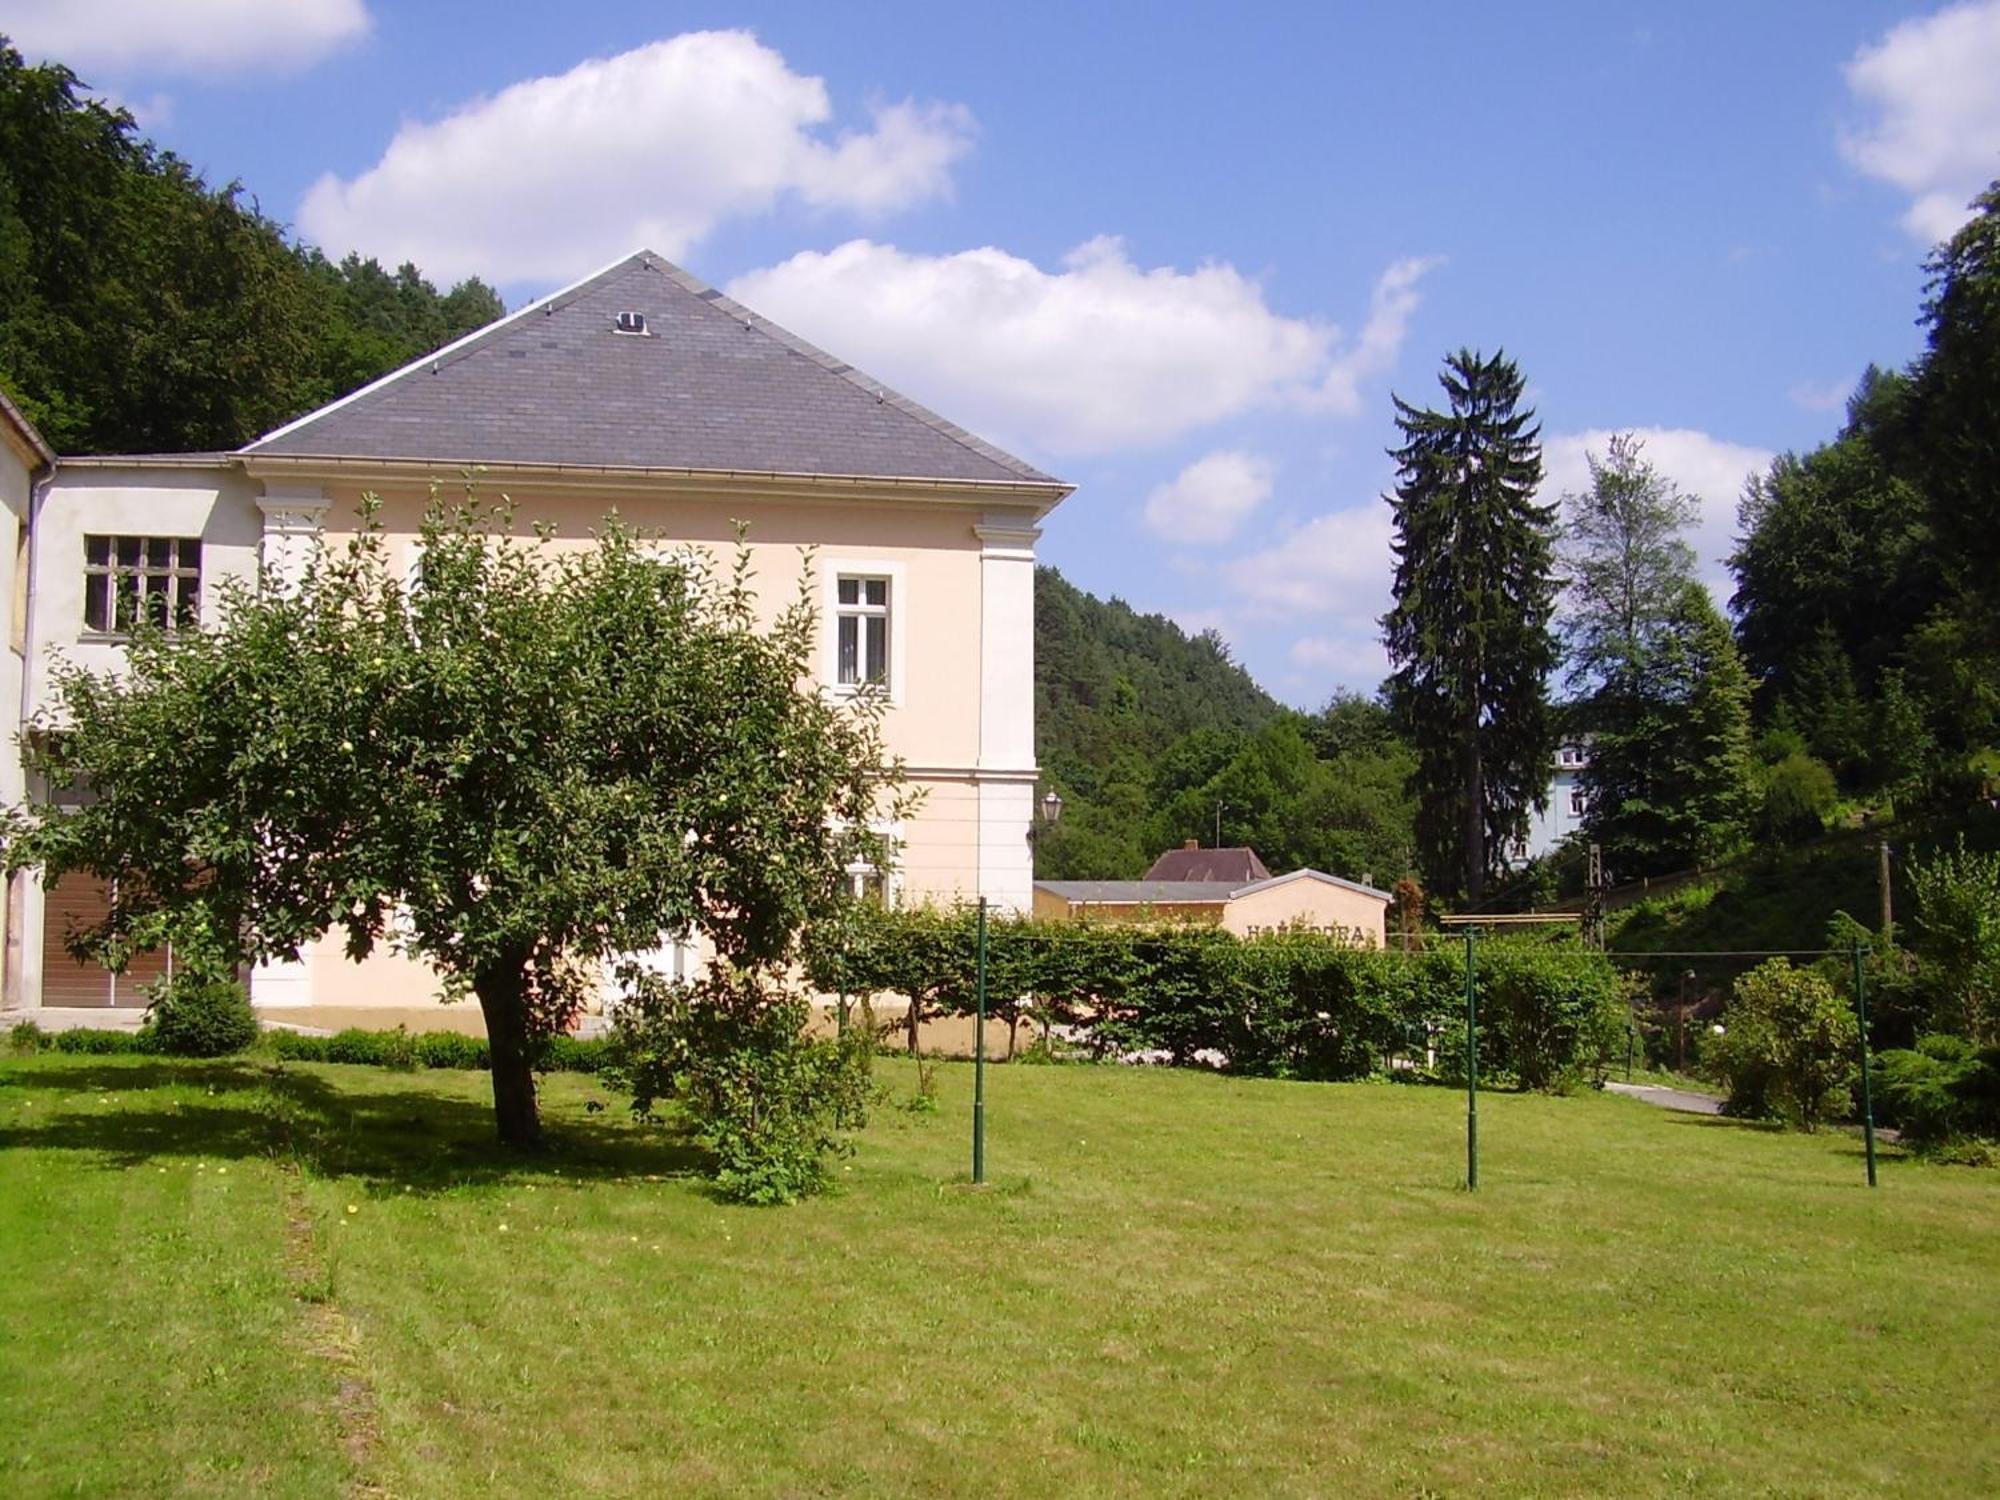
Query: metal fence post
[1867,1090]
[979,1060]
[1471,1068]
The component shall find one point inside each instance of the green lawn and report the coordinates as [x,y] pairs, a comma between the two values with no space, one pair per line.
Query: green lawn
[221,1279]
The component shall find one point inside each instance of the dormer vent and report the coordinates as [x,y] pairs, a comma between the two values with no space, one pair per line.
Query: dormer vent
[631,322]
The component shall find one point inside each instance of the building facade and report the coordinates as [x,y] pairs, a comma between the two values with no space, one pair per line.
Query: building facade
[1568,806]
[638,390]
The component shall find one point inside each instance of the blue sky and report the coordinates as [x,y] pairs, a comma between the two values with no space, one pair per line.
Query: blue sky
[1178,255]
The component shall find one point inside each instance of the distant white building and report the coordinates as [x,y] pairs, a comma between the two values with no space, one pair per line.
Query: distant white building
[1567,806]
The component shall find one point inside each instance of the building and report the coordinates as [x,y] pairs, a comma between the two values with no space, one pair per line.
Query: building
[25,462]
[1192,862]
[1568,806]
[637,389]
[1304,900]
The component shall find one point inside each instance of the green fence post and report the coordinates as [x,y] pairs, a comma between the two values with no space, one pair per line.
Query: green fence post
[1631,1033]
[1867,1091]
[1471,1069]
[979,1060]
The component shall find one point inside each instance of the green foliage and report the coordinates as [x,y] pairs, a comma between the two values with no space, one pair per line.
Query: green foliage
[429,1049]
[1956,933]
[26,1036]
[1144,730]
[769,1100]
[143,311]
[1288,1004]
[1787,1047]
[193,1015]
[91,1042]
[1469,631]
[453,1049]
[1798,793]
[1940,1092]
[498,771]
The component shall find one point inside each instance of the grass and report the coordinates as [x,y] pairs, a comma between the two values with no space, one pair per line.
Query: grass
[1178,1284]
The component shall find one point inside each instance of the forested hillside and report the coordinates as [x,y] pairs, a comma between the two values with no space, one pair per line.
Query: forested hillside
[142,310]
[1145,731]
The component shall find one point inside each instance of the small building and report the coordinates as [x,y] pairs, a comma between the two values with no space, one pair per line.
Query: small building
[1567,809]
[1304,900]
[1192,862]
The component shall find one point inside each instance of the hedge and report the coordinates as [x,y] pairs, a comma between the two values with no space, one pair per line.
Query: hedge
[1289,1004]
[429,1049]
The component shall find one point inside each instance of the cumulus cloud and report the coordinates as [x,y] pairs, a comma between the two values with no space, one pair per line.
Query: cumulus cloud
[199,37]
[653,147]
[1935,131]
[1351,661]
[1710,469]
[1334,571]
[1209,499]
[1097,355]
[1374,352]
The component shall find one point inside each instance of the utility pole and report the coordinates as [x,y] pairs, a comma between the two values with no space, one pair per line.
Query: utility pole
[1888,905]
[1218,824]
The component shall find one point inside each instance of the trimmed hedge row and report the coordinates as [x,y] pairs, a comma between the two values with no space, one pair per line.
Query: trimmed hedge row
[1289,1004]
[379,1049]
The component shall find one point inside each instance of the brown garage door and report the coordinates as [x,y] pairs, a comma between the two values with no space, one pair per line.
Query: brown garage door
[73,903]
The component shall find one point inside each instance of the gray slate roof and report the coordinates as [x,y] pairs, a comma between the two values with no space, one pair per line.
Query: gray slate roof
[711,387]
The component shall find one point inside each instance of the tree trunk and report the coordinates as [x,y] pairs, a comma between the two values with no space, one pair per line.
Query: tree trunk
[912,1019]
[504,1004]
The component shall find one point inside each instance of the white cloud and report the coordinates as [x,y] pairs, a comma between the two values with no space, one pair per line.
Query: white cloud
[1335,570]
[1936,129]
[1711,470]
[1351,660]
[1374,353]
[1209,499]
[1831,396]
[198,37]
[1099,355]
[653,147]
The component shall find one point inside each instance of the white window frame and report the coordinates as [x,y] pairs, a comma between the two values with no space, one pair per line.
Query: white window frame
[894,574]
[1579,802]
[859,870]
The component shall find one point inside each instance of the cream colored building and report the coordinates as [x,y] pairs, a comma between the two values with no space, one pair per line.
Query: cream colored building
[1304,900]
[638,390]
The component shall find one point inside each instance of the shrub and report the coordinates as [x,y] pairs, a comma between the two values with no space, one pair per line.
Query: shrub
[94,1043]
[1798,794]
[1943,1090]
[1786,1046]
[355,1046]
[573,1054]
[26,1036]
[1957,935]
[196,1015]
[451,1049]
[296,1046]
[769,1100]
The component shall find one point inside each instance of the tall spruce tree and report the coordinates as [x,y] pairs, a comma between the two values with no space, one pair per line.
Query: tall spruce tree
[1625,551]
[1469,630]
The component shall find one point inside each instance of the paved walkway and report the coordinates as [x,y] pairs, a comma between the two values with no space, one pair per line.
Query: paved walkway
[1666,1098]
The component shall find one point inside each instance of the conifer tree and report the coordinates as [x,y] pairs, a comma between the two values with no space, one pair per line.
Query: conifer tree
[1469,632]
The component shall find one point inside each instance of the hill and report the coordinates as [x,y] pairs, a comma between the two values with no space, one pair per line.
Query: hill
[1153,736]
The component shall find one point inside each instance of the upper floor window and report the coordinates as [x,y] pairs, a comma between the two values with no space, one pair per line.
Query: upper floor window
[1579,803]
[861,626]
[1570,756]
[130,578]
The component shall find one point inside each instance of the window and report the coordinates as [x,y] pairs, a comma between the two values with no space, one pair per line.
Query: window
[1570,756]
[1579,804]
[866,883]
[127,578]
[861,631]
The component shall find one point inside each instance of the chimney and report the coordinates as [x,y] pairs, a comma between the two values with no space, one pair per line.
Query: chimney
[1190,843]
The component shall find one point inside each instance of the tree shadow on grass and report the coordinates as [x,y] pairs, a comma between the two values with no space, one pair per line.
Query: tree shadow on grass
[412,1139]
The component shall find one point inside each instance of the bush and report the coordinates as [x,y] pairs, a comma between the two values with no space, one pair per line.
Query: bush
[769,1100]
[1798,794]
[91,1042]
[573,1054]
[1786,1047]
[1942,1091]
[296,1046]
[451,1049]
[26,1036]
[194,1015]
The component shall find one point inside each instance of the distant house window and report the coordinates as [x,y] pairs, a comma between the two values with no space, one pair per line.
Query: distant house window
[1579,804]
[866,883]
[861,637]
[1570,756]
[130,578]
